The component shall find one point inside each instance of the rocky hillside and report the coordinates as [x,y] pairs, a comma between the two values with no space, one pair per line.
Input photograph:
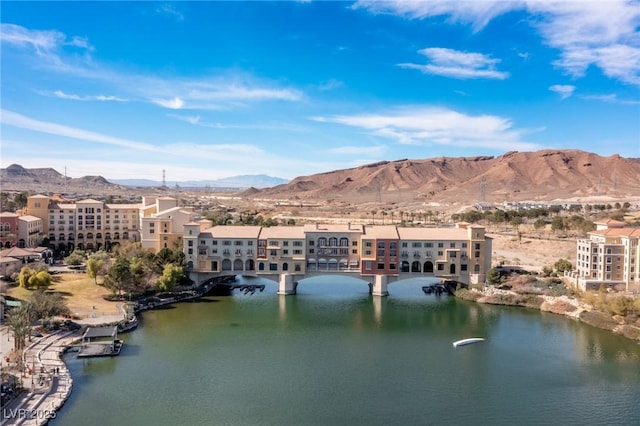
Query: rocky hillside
[542,175]
[17,178]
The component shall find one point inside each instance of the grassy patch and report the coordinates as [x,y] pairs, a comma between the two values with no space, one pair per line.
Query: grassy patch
[80,293]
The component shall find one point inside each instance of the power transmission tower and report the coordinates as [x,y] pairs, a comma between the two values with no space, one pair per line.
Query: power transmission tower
[164,178]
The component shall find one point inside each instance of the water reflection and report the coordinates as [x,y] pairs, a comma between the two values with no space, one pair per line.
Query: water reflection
[333,354]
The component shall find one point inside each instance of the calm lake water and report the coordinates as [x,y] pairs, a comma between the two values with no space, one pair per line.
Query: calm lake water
[332,354]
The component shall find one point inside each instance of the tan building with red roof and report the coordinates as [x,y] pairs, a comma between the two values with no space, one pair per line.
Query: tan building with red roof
[610,257]
[379,254]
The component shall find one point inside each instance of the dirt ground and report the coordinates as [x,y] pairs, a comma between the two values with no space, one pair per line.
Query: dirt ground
[531,253]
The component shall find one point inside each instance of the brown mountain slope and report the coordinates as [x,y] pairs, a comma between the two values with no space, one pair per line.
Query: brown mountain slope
[540,175]
[18,178]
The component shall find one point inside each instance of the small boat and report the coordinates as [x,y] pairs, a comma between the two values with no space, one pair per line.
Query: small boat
[467,341]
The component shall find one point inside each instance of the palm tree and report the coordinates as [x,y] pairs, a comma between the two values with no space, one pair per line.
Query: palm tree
[373,217]
[384,213]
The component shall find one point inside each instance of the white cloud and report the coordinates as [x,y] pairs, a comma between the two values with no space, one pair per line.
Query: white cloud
[331,84]
[169,9]
[611,98]
[564,90]
[599,33]
[477,13]
[419,125]
[175,103]
[456,64]
[70,96]
[603,34]
[14,119]
[223,90]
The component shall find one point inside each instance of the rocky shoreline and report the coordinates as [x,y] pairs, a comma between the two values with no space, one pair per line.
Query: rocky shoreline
[561,305]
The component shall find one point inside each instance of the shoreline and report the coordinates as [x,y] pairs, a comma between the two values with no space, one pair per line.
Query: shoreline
[39,411]
[560,305]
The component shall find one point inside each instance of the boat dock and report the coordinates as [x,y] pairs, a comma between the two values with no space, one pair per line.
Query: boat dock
[100,341]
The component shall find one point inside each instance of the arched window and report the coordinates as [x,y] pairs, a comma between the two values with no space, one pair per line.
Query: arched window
[226,265]
[249,265]
[261,266]
[415,267]
[285,266]
[344,242]
[428,267]
[237,265]
[476,269]
[452,268]
[99,235]
[405,266]
[322,242]
[333,241]
[80,236]
[89,235]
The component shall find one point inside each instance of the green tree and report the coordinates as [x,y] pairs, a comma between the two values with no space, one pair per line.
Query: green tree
[557,224]
[40,280]
[24,275]
[45,305]
[118,276]
[75,258]
[493,276]
[539,223]
[95,264]
[171,276]
[17,319]
[563,265]
[20,199]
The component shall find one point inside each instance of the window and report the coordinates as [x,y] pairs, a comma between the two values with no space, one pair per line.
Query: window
[189,243]
[381,244]
[463,267]
[380,266]
[440,266]
[354,243]
[380,252]
[368,244]
[273,266]
[405,245]
[452,245]
[428,245]
[415,245]
[226,243]
[440,245]
[354,251]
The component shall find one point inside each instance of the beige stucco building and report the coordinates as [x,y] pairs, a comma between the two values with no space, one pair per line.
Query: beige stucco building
[610,256]
[461,254]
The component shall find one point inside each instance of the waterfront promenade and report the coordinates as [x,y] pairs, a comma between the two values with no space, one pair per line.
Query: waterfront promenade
[49,385]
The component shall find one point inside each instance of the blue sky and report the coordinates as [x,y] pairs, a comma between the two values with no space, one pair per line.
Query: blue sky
[207,90]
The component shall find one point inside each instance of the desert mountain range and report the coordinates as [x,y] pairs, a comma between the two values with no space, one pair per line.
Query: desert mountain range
[515,176]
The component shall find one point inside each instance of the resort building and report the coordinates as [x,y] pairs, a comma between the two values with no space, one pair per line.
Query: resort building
[610,256]
[462,254]
[162,222]
[90,224]
[30,231]
[20,231]
[8,229]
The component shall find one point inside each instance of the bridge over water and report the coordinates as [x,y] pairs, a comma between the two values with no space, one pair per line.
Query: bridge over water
[288,282]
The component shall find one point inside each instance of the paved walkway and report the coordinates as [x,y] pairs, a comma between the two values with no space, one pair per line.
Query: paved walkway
[47,389]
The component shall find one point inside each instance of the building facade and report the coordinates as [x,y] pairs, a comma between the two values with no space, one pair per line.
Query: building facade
[461,254]
[610,256]
[8,229]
